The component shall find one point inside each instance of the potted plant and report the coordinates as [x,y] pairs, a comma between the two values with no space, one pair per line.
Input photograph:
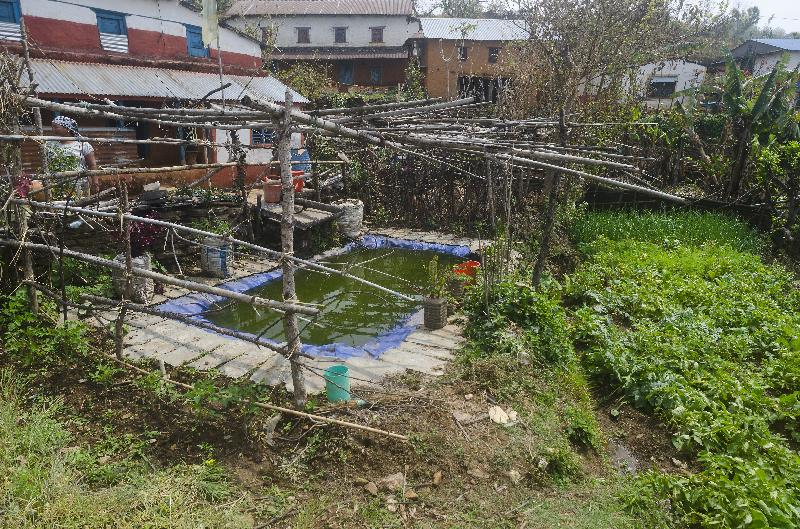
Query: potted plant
[434,300]
[142,238]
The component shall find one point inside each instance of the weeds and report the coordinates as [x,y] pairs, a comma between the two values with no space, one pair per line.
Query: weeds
[707,337]
[45,485]
[689,228]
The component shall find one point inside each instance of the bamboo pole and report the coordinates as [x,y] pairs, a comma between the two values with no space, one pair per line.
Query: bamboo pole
[272,253]
[288,411]
[415,110]
[290,326]
[372,108]
[24,211]
[189,285]
[281,409]
[550,213]
[76,110]
[188,320]
[125,230]
[588,176]
[175,168]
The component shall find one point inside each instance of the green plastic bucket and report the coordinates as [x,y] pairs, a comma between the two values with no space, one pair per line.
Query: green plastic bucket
[337,383]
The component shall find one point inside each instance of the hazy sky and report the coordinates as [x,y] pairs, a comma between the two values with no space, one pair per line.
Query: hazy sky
[786,12]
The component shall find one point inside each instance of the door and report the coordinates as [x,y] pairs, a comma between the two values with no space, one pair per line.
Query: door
[346,72]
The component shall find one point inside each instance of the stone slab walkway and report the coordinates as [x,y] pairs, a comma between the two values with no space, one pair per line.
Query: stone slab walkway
[178,344]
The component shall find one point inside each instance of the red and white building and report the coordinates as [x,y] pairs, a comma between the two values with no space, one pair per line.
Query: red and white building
[136,53]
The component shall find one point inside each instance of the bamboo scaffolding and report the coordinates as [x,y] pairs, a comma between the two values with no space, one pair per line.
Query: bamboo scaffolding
[278,306]
[188,320]
[372,108]
[272,253]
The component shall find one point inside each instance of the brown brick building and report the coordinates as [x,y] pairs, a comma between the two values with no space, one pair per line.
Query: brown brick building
[463,56]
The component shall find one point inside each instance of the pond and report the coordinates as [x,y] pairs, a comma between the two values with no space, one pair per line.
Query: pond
[352,314]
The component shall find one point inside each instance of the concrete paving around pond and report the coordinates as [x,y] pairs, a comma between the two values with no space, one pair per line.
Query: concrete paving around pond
[179,344]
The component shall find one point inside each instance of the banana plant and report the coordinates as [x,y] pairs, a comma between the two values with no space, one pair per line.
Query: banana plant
[754,108]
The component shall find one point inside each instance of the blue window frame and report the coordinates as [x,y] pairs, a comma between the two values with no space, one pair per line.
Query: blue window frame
[194,41]
[263,137]
[111,23]
[9,11]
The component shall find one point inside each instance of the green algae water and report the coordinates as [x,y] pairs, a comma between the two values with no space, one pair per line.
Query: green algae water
[351,313]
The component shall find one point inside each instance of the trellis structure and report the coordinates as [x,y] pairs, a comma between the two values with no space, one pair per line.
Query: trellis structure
[423,128]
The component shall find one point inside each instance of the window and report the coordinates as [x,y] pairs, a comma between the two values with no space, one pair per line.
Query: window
[494,53]
[661,88]
[9,12]
[113,31]
[340,35]
[377,35]
[111,23]
[304,35]
[376,75]
[463,53]
[263,137]
[194,41]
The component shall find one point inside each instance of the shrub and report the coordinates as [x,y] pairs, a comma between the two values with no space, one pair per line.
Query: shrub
[518,318]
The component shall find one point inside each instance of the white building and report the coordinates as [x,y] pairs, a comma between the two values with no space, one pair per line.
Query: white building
[137,53]
[659,82]
[363,41]
[760,56]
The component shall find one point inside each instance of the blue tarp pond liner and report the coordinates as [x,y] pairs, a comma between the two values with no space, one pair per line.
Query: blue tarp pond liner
[196,304]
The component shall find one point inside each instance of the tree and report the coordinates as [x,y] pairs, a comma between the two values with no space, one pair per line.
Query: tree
[586,48]
[460,8]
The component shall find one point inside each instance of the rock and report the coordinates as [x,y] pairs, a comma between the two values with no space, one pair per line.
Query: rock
[269,429]
[411,495]
[514,476]
[372,488]
[678,463]
[391,504]
[391,482]
[498,415]
[462,417]
[469,396]
[512,415]
[437,478]
[478,473]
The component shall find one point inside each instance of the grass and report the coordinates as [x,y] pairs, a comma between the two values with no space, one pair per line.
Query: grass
[43,485]
[690,228]
[707,337]
[520,352]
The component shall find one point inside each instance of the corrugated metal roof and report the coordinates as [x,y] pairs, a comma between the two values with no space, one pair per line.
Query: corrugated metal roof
[111,80]
[328,53]
[320,7]
[473,29]
[784,44]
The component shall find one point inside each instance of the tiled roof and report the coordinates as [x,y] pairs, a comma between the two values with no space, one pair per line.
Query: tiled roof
[473,29]
[73,78]
[320,7]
